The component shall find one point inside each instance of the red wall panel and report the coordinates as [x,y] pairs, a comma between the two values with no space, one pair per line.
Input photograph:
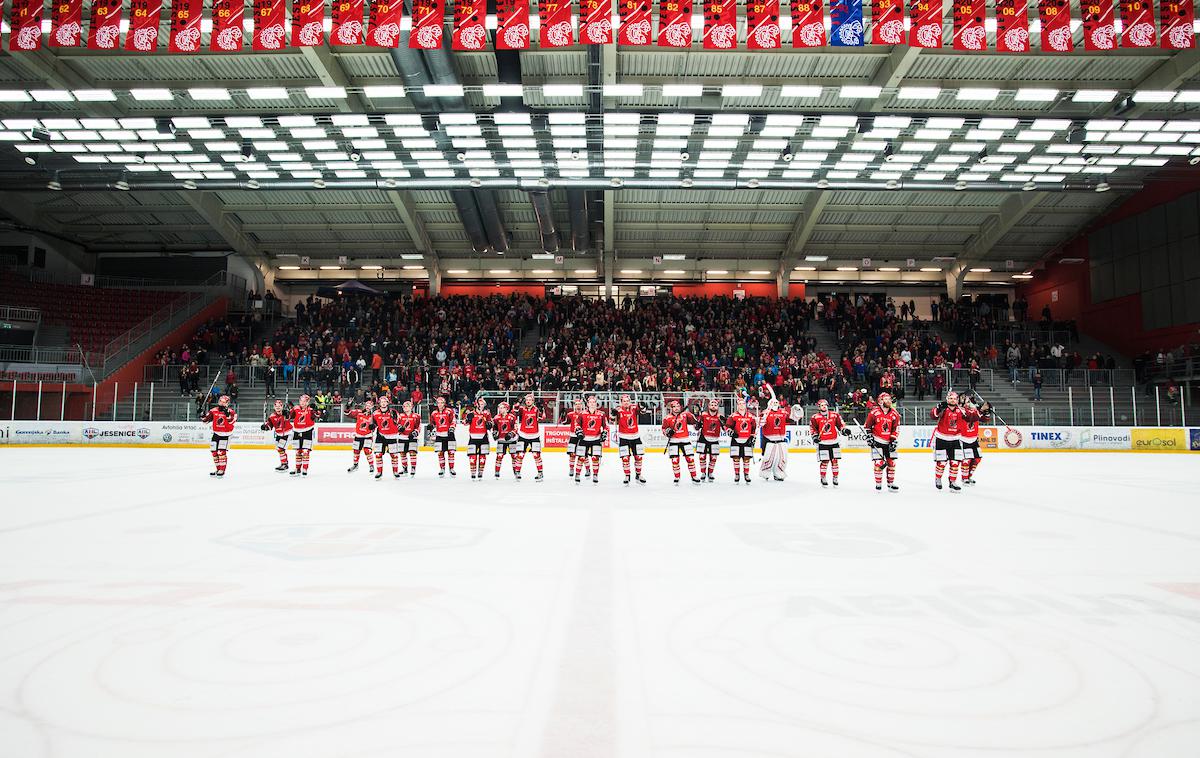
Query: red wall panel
[482,290]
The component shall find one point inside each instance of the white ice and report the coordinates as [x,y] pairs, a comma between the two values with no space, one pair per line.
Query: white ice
[149,611]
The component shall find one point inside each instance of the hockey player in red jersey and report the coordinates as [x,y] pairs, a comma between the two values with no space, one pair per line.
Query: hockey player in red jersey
[362,433]
[529,435]
[972,416]
[708,443]
[409,423]
[742,426]
[280,423]
[478,420]
[304,420]
[593,430]
[222,418]
[826,427]
[774,431]
[441,423]
[629,437]
[574,420]
[947,440]
[504,432]
[387,437]
[677,429]
[883,426]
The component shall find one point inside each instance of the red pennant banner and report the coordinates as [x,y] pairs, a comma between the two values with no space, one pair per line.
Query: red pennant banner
[887,22]
[1137,23]
[1012,26]
[347,22]
[383,27]
[762,25]
[635,22]
[1099,31]
[469,31]
[144,17]
[675,23]
[427,19]
[104,31]
[595,22]
[308,23]
[227,26]
[269,16]
[1055,16]
[554,19]
[926,19]
[1177,18]
[512,24]
[969,32]
[808,23]
[185,26]
[25,25]
[720,25]
[66,23]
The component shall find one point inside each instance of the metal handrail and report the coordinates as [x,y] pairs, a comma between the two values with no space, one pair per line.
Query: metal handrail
[30,354]
[20,313]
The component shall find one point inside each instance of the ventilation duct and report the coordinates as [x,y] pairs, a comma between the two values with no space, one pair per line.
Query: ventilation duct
[468,212]
[544,214]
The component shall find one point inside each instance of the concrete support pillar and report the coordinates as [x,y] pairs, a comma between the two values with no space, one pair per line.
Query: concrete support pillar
[783,278]
[954,280]
[434,267]
[610,263]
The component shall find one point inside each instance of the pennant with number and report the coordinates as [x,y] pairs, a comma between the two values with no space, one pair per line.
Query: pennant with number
[1177,18]
[635,22]
[383,27]
[66,23]
[25,25]
[926,20]
[512,24]
[104,29]
[720,24]
[347,23]
[1055,17]
[428,16]
[1137,23]
[144,18]
[1099,30]
[469,33]
[227,33]
[808,23]
[554,20]
[595,22]
[887,22]
[184,36]
[675,23]
[1012,26]
[762,25]
[969,31]
[308,23]
[846,23]
[269,16]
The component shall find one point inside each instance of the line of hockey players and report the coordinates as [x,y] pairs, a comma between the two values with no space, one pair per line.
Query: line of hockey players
[381,429]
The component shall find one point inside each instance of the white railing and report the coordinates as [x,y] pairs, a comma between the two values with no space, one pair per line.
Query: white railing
[20,313]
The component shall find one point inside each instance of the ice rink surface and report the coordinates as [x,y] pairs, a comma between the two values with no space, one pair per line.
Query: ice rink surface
[148,611]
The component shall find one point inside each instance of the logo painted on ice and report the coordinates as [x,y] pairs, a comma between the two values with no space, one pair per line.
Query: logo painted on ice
[307,542]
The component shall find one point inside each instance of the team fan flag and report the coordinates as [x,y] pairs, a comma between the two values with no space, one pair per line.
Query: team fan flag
[926,19]
[427,19]
[595,22]
[1012,26]
[227,34]
[675,23]
[1137,23]
[762,25]
[269,16]
[308,23]
[846,23]
[1055,16]
[1177,18]
[347,22]
[104,30]
[512,24]
[469,32]
[1099,31]
[808,23]
[720,24]
[25,25]
[66,23]
[185,26]
[383,27]
[635,22]
[887,22]
[554,20]
[969,31]
[142,35]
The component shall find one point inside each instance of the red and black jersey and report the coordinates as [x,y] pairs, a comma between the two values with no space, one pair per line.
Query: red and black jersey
[710,426]
[303,419]
[742,426]
[677,427]
[478,422]
[222,420]
[883,425]
[774,424]
[279,423]
[529,419]
[385,423]
[505,425]
[826,427]
[969,431]
[627,423]
[443,421]
[593,424]
[362,422]
[409,423]
[575,421]
[949,423]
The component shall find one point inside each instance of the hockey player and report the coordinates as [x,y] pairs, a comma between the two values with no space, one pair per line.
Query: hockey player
[223,418]
[387,437]
[574,420]
[304,420]
[504,432]
[280,422]
[410,432]
[677,429]
[593,430]
[826,426]
[947,440]
[478,420]
[971,418]
[742,426]
[883,426]
[708,444]
[441,423]
[629,438]
[529,435]
[774,433]
[362,433]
